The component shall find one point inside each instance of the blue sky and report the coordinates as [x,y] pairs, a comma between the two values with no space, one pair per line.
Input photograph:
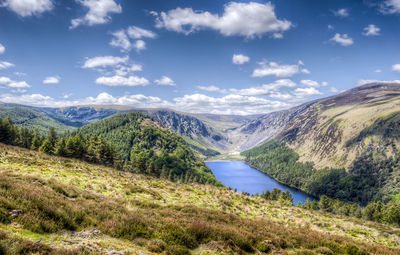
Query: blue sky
[233,57]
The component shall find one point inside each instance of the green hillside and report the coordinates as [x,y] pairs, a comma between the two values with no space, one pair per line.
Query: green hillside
[32,118]
[148,147]
[368,179]
[54,205]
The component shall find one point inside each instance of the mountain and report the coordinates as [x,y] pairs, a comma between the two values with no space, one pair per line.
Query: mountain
[331,132]
[207,134]
[33,118]
[54,205]
[345,146]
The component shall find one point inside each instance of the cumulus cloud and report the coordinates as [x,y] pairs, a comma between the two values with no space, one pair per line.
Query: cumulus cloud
[342,39]
[272,68]
[99,12]
[341,12]
[26,8]
[9,83]
[137,100]
[377,71]
[117,80]
[301,93]
[165,80]
[51,80]
[238,19]
[139,45]
[371,30]
[2,49]
[390,7]
[333,90]
[229,104]
[104,61]
[139,33]
[314,84]
[212,89]
[362,82]
[123,38]
[239,59]
[265,89]
[5,65]
[396,67]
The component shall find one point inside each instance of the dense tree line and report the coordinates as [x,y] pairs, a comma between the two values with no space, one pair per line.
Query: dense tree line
[361,184]
[388,213]
[146,147]
[90,148]
[151,150]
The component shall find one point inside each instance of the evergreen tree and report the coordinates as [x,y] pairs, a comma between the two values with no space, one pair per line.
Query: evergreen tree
[47,147]
[61,149]
[36,141]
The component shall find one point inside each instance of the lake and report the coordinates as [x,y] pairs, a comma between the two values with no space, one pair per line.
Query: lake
[240,176]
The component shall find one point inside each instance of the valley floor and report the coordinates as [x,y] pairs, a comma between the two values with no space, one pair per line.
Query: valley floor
[72,207]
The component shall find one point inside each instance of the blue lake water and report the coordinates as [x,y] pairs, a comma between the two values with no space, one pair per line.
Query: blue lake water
[240,176]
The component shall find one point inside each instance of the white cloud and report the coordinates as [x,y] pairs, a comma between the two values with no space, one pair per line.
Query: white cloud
[229,104]
[104,61]
[51,80]
[378,71]
[9,83]
[330,27]
[341,12]
[18,84]
[5,65]
[2,49]
[306,71]
[362,82]
[99,12]
[122,38]
[314,84]
[390,7]
[139,45]
[239,59]
[241,19]
[396,67]
[26,8]
[126,69]
[138,100]
[139,33]
[273,68]
[371,30]
[117,80]
[5,80]
[265,89]
[212,89]
[165,81]
[333,90]
[342,39]
[301,93]
[197,103]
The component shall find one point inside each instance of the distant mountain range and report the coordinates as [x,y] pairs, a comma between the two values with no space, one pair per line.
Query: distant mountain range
[328,132]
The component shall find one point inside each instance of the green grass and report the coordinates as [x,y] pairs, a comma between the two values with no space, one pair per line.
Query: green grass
[136,213]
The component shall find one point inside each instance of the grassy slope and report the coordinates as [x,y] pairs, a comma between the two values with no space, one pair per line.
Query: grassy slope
[59,196]
[30,118]
[327,144]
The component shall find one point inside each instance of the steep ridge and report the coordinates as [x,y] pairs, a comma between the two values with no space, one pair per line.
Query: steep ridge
[327,131]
